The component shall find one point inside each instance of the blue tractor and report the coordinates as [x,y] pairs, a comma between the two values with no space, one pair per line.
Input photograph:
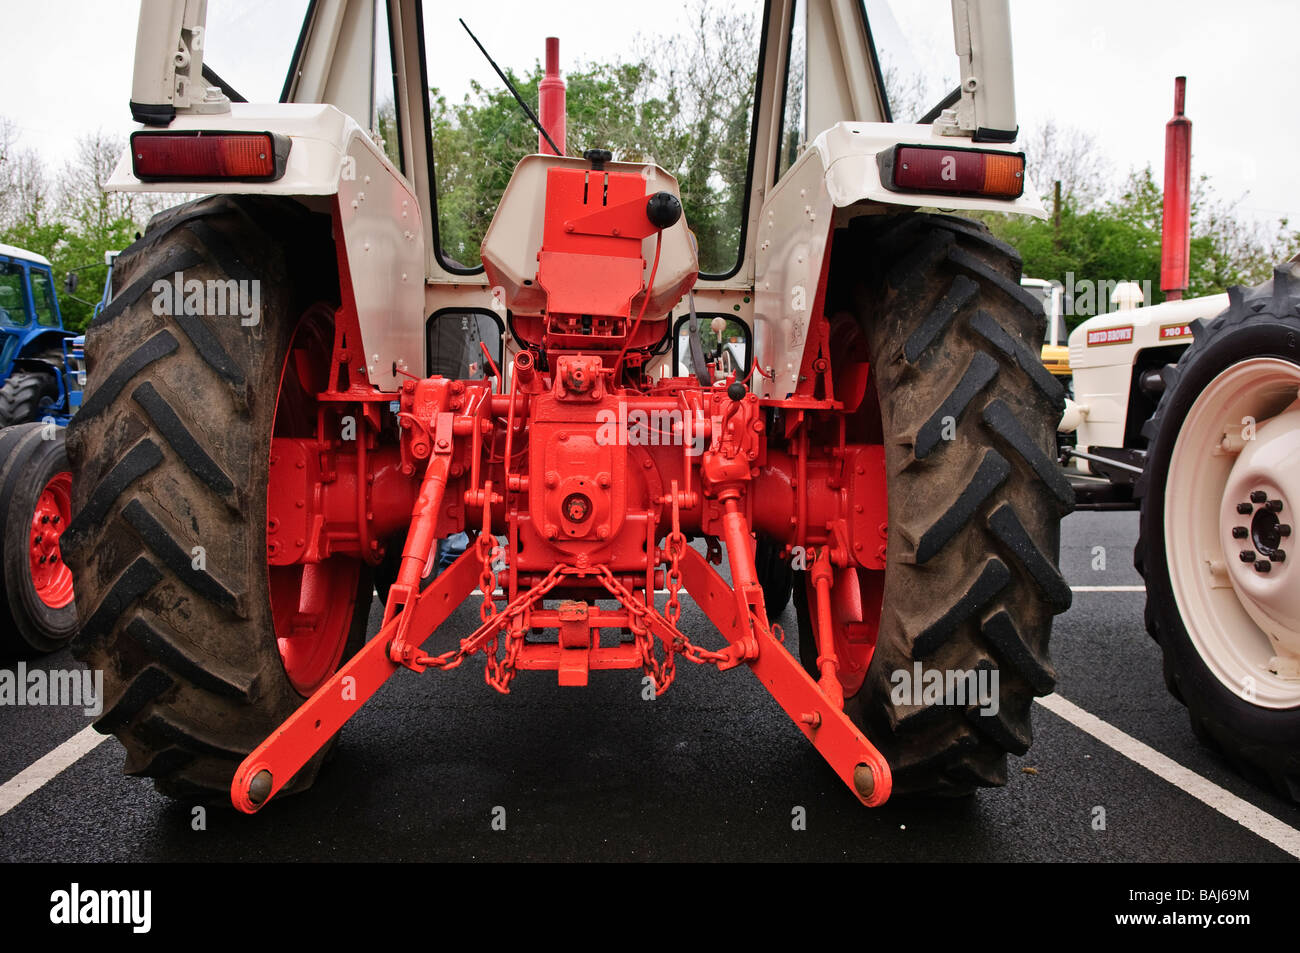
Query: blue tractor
[42,366]
[42,370]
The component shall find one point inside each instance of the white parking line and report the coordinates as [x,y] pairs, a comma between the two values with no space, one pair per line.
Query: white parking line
[1108,588]
[1258,822]
[34,777]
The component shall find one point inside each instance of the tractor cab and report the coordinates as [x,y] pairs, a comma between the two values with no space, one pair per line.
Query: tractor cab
[33,342]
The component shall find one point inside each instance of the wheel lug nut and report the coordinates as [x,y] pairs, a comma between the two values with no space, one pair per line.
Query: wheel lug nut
[1279,556]
[1263,566]
[1258,496]
[1248,555]
[1284,529]
[1275,506]
[1239,532]
[1245,508]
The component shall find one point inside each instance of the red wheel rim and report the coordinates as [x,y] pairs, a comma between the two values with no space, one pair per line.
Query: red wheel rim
[857,595]
[51,579]
[311,605]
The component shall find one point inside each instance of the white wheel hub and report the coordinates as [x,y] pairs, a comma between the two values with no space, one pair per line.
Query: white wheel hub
[1231,528]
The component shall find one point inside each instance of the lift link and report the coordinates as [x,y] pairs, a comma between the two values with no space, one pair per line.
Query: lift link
[818,714]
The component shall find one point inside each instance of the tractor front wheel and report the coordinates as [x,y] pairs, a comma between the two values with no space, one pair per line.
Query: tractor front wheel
[35,506]
[1219,496]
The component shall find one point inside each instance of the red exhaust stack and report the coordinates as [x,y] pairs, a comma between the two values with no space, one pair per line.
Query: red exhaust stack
[1176,232]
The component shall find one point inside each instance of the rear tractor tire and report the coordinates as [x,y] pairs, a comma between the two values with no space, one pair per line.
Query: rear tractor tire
[26,395]
[1217,542]
[967,415]
[204,647]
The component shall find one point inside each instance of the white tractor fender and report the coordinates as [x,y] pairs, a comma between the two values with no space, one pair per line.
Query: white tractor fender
[838,170]
[331,156]
[849,154]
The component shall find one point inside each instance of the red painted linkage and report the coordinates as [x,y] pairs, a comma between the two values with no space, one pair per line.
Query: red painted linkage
[584,481]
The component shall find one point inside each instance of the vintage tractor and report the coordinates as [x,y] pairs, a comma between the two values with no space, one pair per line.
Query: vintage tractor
[885,450]
[1190,410]
[39,359]
[43,374]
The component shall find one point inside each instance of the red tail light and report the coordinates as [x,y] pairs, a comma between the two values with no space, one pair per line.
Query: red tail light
[995,175]
[206,156]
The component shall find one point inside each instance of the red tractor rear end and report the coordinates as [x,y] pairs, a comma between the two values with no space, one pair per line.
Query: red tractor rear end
[885,450]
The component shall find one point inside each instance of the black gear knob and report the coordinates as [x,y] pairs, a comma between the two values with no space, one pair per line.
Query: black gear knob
[663,209]
[736,391]
[598,158]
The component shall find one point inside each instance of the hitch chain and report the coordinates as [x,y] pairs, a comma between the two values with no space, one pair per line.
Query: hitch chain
[500,671]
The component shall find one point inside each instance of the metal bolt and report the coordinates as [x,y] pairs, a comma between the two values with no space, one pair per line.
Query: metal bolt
[1284,529]
[45,519]
[1263,565]
[1248,555]
[55,519]
[1240,532]
[1275,506]
[1258,496]
[260,789]
[864,780]
[1279,556]
[39,537]
[1245,508]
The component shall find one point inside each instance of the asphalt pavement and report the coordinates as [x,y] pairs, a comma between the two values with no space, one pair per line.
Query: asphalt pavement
[441,767]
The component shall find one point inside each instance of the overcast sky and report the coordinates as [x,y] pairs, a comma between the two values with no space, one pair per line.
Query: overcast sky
[1104,65]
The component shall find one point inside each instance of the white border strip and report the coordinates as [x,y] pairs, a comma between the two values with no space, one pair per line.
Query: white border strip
[35,776]
[1108,588]
[1258,822]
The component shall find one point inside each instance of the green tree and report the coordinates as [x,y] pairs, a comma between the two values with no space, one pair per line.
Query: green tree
[1119,240]
[683,102]
[71,220]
